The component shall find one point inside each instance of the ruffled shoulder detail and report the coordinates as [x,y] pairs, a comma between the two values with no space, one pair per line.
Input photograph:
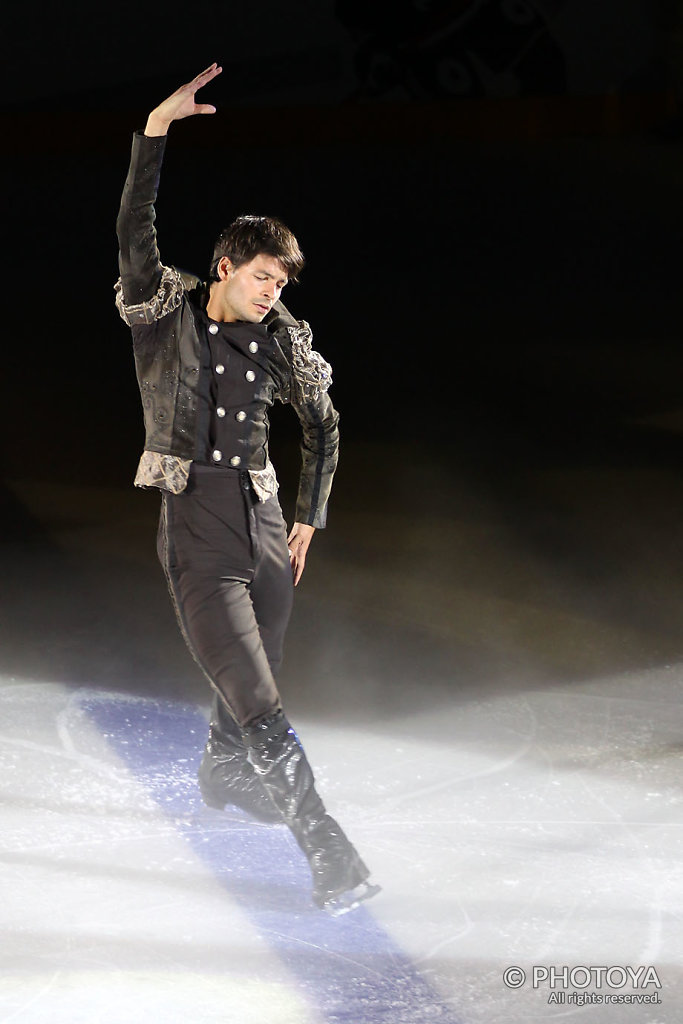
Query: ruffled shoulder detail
[167,297]
[311,374]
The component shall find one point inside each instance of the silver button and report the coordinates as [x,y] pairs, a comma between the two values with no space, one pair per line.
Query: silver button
[240,416]
[220,368]
[220,411]
[213,329]
[235,460]
[216,455]
[253,346]
[250,375]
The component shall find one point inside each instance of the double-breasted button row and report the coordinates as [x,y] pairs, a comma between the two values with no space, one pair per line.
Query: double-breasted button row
[249,375]
[222,412]
[253,345]
[239,416]
[217,456]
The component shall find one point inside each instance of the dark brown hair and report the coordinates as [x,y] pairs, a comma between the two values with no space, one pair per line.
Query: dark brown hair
[250,236]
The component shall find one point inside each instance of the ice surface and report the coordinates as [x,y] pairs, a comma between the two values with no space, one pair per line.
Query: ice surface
[547,831]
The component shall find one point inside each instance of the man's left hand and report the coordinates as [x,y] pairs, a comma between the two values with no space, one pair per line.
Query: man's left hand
[297,542]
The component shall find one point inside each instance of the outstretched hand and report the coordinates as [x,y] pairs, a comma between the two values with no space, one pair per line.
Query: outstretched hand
[181,103]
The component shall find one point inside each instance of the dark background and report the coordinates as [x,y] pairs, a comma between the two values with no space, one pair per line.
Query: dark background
[489,200]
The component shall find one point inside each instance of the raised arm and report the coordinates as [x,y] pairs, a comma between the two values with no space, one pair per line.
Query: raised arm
[145,285]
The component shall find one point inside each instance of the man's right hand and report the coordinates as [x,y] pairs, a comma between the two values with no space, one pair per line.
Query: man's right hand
[181,104]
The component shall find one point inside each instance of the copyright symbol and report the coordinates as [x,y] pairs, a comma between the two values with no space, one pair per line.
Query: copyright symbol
[514,977]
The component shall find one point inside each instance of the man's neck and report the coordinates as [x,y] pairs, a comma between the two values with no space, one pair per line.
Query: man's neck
[214,307]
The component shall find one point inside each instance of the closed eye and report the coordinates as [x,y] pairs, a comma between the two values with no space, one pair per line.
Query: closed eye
[267,277]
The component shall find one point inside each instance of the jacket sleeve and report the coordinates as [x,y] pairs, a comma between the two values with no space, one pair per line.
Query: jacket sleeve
[307,390]
[319,453]
[146,290]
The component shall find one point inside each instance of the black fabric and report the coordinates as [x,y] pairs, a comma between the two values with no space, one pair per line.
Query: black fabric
[240,428]
[226,775]
[227,565]
[285,773]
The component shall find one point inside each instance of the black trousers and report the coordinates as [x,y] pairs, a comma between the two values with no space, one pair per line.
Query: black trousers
[226,561]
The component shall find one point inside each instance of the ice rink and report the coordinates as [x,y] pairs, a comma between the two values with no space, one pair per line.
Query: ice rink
[490,695]
[485,661]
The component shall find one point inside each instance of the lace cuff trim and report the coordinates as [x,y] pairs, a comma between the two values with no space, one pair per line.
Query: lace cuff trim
[264,482]
[168,296]
[310,372]
[168,472]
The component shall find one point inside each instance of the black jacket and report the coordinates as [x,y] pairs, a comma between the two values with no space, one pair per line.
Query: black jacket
[180,366]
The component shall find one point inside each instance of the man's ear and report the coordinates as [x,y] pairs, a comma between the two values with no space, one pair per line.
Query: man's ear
[224,268]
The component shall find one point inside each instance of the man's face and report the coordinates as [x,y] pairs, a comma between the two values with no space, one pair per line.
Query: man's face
[247,292]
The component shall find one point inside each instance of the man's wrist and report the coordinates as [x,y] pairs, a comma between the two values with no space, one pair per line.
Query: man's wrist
[156,126]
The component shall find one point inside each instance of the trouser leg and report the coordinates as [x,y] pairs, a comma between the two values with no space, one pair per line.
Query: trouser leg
[231,585]
[233,615]
[226,775]
[281,763]
[223,634]
[227,566]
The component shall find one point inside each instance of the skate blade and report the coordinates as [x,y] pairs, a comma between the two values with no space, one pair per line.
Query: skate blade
[350,900]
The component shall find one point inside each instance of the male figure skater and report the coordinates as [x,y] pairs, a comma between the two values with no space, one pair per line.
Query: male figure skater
[210,359]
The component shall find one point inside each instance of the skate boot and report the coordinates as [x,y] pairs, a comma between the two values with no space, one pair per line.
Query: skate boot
[226,775]
[340,878]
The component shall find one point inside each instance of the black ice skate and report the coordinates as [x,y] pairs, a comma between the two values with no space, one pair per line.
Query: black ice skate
[340,878]
[226,776]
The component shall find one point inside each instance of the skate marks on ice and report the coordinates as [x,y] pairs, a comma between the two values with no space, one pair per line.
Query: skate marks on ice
[348,968]
[541,827]
[130,900]
[105,917]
